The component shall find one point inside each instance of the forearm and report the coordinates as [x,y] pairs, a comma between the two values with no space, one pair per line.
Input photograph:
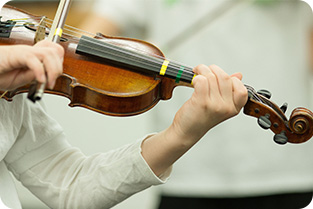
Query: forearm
[162,150]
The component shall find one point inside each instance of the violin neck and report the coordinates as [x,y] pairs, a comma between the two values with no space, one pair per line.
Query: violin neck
[135,60]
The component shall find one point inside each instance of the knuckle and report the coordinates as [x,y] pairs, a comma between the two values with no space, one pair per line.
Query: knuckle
[213,66]
[61,50]
[225,77]
[202,66]
[243,93]
[50,51]
[211,76]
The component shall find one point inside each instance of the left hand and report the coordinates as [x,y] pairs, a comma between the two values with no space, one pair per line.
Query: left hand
[217,96]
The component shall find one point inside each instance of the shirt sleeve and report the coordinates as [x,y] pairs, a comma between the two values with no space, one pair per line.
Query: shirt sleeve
[61,175]
[69,179]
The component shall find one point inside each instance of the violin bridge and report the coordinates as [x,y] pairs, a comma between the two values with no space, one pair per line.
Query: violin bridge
[41,30]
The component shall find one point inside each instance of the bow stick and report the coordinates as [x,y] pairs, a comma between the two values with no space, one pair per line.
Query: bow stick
[36,90]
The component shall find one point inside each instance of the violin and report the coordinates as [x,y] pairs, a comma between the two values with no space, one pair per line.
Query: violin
[122,76]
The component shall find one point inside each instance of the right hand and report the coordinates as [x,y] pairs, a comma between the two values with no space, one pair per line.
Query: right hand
[21,64]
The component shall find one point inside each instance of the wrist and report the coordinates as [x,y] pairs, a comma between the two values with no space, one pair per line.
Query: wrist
[179,139]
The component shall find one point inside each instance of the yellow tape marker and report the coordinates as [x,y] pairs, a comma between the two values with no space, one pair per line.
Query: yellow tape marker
[58,32]
[164,67]
[193,78]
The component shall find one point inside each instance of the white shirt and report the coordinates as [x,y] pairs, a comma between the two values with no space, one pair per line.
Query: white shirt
[34,148]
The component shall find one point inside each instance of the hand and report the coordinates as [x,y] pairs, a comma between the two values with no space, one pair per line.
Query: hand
[21,64]
[217,97]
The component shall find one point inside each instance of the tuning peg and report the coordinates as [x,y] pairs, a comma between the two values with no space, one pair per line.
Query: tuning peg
[284,107]
[264,121]
[281,138]
[265,93]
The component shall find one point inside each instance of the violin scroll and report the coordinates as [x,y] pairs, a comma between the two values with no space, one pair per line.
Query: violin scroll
[298,129]
[301,123]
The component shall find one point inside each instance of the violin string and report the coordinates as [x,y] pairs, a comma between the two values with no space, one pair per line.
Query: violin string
[68,31]
[50,21]
[139,55]
[150,61]
[81,32]
[141,60]
[176,67]
[153,62]
[254,94]
[65,30]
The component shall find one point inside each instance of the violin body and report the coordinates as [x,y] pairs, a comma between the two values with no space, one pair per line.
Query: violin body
[107,75]
[91,82]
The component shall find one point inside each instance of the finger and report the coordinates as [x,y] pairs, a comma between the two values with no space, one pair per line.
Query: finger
[35,65]
[202,70]
[53,66]
[240,93]
[211,79]
[224,82]
[201,88]
[52,56]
